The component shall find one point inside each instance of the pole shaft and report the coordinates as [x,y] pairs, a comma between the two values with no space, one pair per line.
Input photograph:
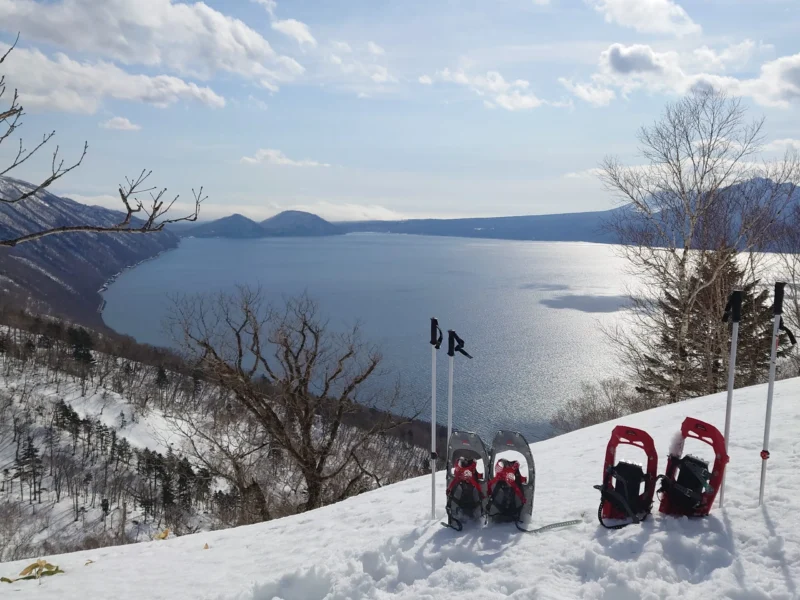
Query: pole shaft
[433,432]
[773,361]
[731,379]
[450,399]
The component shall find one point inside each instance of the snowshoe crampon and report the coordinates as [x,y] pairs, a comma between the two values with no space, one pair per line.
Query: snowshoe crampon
[688,487]
[509,491]
[466,478]
[627,490]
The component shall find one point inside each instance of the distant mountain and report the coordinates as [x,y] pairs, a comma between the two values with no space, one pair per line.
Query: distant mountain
[235,226]
[289,223]
[299,223]
[62,274]
[568,227]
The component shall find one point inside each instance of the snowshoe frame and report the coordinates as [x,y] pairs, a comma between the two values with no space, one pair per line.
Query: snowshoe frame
[466,444]
[671,488]
[504,441]
[613,503]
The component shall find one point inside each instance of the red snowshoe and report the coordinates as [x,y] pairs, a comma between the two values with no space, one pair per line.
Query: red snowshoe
[466,485]
[692,490]
[510,493]
[627,491]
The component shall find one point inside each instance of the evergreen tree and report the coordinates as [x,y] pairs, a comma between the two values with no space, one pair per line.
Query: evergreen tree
[660,376]
[161,378]
[29,467]
[704,353]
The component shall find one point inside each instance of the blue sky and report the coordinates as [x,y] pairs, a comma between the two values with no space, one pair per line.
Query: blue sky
[381,109]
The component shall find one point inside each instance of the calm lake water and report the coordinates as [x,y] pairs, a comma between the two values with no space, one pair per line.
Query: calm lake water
[529,312]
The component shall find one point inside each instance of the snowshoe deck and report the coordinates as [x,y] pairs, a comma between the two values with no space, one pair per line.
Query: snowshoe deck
[505,441]
[625,502]
[464,501]
[688,487]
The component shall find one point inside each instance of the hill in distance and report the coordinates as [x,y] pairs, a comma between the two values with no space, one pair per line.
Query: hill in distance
[298,223]
[234,226]
[566,227]
[289,223]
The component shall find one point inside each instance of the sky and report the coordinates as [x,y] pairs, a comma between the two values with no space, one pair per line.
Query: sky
[378,109]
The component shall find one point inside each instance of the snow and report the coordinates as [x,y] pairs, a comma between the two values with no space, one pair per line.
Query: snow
[33,265]
[382,544]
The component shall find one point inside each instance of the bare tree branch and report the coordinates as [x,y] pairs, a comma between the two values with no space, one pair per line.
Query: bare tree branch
[312,397]
[700,192]
[152,211]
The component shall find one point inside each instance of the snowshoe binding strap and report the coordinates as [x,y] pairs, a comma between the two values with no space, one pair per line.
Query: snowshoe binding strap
[505,494]
[452,521]
[693,481]
[624,497]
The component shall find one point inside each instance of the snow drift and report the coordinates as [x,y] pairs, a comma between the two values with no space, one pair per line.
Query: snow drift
[383,544]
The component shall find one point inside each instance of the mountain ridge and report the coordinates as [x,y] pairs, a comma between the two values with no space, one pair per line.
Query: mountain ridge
[289,223]
[63,274]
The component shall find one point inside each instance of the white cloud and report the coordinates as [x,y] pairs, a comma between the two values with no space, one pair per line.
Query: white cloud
[357,71]
[505,94]
[208,212]
[276,157]
[120,123]
[257,102]
[342,47]
[733,57]
[67,85]
[296,30]
[541,2]
[189,39]
[269,5]
[778,83]
[517,101]
[333,211]
[647,16]
[425,80]
[381,75]
[635,67]
[782,145]
[375,49]
[597,95]
[588,173]
[327,209]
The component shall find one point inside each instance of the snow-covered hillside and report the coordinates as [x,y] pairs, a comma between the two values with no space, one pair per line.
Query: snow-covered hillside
[383,544]
[63,273]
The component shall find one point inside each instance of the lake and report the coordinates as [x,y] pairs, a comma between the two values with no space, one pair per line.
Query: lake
[529,312]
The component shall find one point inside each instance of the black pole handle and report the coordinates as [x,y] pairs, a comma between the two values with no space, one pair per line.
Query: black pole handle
[777,307]
[455,344]
[733,310]
[436,342]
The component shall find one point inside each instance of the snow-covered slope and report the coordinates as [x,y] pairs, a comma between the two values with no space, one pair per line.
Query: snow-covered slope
[383,544]
[62,274]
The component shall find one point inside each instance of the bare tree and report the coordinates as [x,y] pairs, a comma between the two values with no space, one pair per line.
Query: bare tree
[302,382]
[151,213]
[700,189]
[787,268]
[229,444]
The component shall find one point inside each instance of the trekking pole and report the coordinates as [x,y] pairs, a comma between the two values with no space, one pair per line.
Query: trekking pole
[454,344]
[451,344]
[436,342]
[733,311]
[777,311]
